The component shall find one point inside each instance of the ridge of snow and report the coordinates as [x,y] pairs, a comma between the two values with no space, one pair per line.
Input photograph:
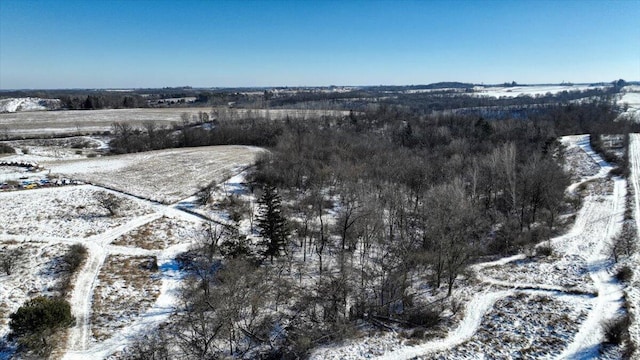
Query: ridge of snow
[28,104]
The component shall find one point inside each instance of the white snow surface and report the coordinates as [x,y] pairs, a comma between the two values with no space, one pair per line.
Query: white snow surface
[579,256]
[633,290]
[515,91]
[630,98]
[50,219]
[28,104]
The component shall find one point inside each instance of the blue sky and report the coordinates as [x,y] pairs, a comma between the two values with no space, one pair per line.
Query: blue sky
[138,43]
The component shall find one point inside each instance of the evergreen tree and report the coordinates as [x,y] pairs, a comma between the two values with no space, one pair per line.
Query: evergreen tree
[273,226]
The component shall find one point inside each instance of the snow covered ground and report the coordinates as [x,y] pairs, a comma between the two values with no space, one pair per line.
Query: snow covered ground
[37,123]
[163,175]
[129,281]
[524,307]
[520,306]
[633,289]
[630,99]
[28,104]
[514,91]
[87,121]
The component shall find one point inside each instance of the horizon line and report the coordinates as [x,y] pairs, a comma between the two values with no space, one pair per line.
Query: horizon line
[316,86]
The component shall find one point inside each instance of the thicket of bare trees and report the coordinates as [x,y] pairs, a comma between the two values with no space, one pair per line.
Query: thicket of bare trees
[381,207]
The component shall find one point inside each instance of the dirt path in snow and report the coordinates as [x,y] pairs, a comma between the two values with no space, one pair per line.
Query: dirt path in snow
[599,219]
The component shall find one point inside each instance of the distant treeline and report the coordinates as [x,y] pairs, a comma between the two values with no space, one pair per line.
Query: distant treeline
[440,97]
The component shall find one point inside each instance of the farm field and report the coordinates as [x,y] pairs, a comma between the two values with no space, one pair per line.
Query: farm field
[515,91]
[165,175]
[631,99]
[47,123]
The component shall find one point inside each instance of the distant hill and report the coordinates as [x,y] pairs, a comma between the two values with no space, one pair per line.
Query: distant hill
[439,85]
[28,104]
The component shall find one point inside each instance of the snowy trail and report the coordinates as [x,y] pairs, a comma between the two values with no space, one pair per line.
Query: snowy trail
[633,291]
[86,278]
[474,311]
[99,247]
[596,223]
[587,341]
[159,312]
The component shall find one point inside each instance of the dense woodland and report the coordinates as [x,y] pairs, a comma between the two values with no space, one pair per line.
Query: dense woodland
[367,221]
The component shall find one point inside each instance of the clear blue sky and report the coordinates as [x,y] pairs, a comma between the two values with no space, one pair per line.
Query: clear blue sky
[137,43]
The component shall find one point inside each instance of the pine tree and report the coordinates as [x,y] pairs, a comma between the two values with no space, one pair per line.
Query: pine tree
[273,226]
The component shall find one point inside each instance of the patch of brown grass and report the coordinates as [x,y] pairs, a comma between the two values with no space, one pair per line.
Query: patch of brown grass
[127,287]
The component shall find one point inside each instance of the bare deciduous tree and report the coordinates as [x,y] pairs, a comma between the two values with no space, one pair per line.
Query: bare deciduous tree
[109,202]
[9,259]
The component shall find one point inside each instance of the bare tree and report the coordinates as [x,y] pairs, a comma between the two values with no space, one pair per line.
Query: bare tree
[109,202]
[452,223]
[9,259]
[205,194]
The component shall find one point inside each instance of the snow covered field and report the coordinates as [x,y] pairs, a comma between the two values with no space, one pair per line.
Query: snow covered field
[630,98]
[163,175]
[514,91]
[37,123]
[28,104]
[87,121]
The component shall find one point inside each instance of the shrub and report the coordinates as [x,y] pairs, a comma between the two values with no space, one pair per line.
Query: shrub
[425,317]
[37,320]
[74,257]
[206,193]
[150,264]
[624,274]
[9,259]
[6,149]
[149,346]
[109,202]
[616,331]
[545,250]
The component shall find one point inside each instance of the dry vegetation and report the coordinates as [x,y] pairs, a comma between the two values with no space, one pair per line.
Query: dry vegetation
[569,272]
[62,212]
[165,175]
[503,328]
[158,234]
[126,288]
